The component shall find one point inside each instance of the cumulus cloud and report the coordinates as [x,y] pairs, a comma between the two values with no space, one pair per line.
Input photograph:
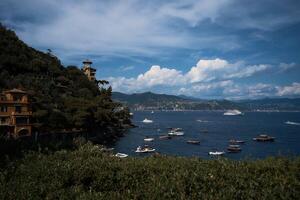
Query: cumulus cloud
[286,66]
[206,75]
[290,90]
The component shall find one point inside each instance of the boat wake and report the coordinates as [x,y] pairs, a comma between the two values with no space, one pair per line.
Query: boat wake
[292,123]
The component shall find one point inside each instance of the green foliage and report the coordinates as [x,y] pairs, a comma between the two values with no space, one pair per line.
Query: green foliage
[62,98]
[88,173]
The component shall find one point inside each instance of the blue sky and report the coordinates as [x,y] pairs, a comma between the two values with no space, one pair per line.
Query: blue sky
[231,49]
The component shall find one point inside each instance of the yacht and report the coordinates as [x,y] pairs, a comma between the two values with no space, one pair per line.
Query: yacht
[147,120]
[233,112]
[121,155]
[264,138]
[176,132]
[144,149]
[193,142]
[216,153]
[233,141]
[292,123]
[234,149]
[148,139]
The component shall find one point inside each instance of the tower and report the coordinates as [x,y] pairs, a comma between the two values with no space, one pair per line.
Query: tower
[88,70]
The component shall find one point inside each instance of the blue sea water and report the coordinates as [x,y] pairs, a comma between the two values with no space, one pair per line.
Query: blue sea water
[213,129]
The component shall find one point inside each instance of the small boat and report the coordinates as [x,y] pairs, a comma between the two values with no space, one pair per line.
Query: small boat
[264,138]
[144,149]
[236,141]
[216,153]
[165,137]
[292,123]
[121,155]
[176,133]
[234,149]
[193,142]
[152,112]
[148,139]
[233,112]
[131,114]
[147,120]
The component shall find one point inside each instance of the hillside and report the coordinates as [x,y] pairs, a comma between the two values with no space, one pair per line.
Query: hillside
[62,97]
[88,173]
[148,100]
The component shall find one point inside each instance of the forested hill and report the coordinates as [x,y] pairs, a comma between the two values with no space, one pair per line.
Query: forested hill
[148,100]
[62,97]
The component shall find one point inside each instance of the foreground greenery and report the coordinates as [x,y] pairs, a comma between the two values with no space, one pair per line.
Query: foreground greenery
[88,173]
[62,97]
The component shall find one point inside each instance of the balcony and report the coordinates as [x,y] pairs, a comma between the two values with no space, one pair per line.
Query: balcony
[13,102]
[22,113]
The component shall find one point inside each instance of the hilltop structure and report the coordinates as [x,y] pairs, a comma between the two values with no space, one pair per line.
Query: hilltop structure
[88,70]
[15,114]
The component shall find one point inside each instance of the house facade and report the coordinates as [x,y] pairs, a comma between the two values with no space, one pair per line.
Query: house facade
[15,114]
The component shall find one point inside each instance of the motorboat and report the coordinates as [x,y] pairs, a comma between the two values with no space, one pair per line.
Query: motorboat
[193,142]
[148,139]
[176,132]
[165,137]
[144,149]
[131,114]
[234,149]
[292,123]
[233,141]
[216,153]
[147,120]
[121,155]
[233,112]
[264,138]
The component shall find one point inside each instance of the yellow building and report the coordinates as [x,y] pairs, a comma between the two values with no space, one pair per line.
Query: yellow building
[15,114]
[88,70]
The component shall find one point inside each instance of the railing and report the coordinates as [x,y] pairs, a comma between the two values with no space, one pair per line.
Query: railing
[22,113]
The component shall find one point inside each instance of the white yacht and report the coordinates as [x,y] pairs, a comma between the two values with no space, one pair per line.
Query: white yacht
[233,112]
[147,120]
[144,149]
[121,155]
[176,132]
[148,139]
[292,123]
[216,153]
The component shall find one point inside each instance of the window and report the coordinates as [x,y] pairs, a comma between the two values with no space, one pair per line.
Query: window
[21,120]
[18,109]
[3,109]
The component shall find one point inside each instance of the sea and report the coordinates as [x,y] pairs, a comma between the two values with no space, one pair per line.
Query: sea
[214,130]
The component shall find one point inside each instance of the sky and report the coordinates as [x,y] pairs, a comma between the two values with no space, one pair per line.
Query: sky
[210,49]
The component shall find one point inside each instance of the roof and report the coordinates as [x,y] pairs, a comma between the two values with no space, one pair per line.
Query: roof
[87,61]
[15,91]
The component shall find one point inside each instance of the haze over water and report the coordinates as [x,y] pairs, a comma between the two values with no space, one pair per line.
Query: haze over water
[219,129]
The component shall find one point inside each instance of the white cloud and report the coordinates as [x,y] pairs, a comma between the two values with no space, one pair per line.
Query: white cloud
[206,75]
[248,71]
[286,66]
[289,90]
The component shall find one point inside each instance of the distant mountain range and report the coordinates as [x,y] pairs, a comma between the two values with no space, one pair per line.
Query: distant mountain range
[152,101]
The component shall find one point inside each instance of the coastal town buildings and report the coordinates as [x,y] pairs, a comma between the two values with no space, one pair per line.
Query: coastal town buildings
[88,70]
[15,114]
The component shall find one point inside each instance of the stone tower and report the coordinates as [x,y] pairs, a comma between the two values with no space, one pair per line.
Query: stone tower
[88,70]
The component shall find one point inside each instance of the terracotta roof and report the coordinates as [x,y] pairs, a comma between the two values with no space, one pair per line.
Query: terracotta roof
[15,91]
[87,61]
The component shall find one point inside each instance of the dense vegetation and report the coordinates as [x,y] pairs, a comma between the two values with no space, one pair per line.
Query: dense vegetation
[62,97]
[88,173]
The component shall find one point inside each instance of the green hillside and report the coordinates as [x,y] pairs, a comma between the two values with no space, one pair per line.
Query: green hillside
[88,173]
[62,97]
